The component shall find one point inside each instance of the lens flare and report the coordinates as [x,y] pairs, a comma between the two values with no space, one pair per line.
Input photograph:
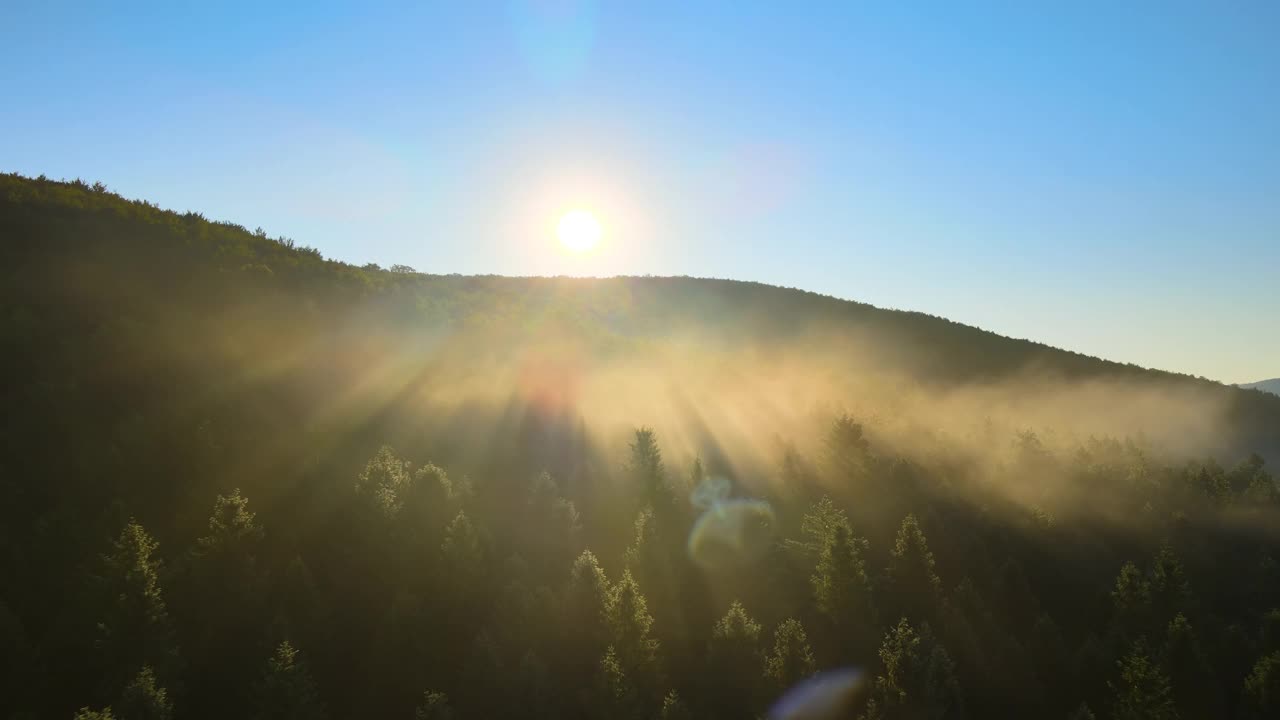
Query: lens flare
[730,531]
[826,696]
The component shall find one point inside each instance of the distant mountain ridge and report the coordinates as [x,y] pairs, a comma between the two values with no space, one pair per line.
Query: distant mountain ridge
[1272,386]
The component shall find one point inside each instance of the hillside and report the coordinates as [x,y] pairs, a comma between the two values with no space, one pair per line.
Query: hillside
[1272,386]
[404,467]
[150,294]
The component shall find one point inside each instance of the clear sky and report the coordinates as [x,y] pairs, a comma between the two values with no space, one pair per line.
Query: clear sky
[1100,176]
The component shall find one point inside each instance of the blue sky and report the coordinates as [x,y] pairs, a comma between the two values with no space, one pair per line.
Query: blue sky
[1104,177]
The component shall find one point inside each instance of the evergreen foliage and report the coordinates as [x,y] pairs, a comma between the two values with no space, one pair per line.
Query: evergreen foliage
[200,464]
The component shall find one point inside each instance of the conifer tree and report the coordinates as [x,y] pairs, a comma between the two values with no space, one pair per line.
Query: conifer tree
[1170,590]
[791,659]
[734,663]
[914,581]
[673,708]
[286,690]
[847,449]
[232,528]
[1262,689]
[647,471]
[614,695]
[142,699]
[918,678]
[383,481]
[1131,598]
[840,587]
[464,562]
[631,625]
[585,623]
[820,523]
[221,606]
[1189,673]
[652,561]
[427,503]
[551,530]
[1142,691]
[135,629]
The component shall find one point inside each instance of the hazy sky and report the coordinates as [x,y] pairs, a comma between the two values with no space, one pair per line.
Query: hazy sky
[1103,177]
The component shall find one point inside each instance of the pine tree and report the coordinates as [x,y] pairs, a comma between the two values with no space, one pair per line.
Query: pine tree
[143,700]
[232,528]
[1169,588]
[673,708]
[464,562]
[383,481]
[647,471]
[585,624]
[87,714]
[847,449]
[652,561]
[551,530]
[630,625]
[1189,673]
[912,577]
[820,523]
[1262,689]
[615,695]
[733,663]
[918,679]
[1131,599]
[135,629]
[221,606]
[286,690]
[1142,691]
[791,660]
[427,503]
[643,552]
[840,587]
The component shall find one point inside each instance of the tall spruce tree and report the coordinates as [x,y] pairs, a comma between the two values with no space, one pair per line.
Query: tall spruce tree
[287,690]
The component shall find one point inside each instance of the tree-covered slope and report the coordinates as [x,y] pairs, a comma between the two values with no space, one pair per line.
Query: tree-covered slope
[239,479]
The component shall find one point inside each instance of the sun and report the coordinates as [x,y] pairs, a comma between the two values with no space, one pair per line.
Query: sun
[578,230]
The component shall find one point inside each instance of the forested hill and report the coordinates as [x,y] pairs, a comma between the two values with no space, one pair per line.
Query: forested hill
[65,239]
[238,479]
[146,293]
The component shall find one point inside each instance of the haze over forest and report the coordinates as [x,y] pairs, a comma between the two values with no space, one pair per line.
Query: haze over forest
[240,479]
[598,360]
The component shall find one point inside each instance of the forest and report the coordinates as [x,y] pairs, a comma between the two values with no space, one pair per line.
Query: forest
[240,480]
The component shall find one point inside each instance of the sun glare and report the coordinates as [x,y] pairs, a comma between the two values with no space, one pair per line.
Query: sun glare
[578,230]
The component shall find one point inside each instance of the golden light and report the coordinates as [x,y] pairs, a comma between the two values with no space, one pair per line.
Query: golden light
[578,230]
